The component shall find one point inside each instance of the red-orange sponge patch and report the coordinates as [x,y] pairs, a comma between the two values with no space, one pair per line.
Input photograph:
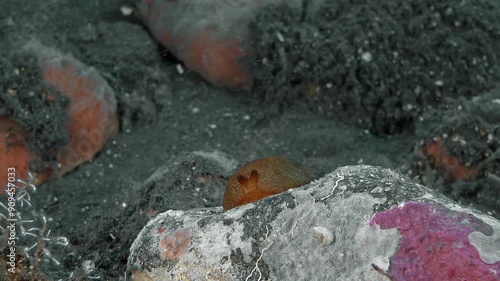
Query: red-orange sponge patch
[91,114]
[173,246]
[265,177]
[215,56]
[217,59]
[447,164]
[14,152]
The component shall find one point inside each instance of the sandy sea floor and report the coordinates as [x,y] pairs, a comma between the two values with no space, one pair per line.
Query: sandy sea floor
[165,117]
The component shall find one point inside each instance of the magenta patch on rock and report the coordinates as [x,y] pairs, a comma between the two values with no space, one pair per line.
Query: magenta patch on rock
[435,244]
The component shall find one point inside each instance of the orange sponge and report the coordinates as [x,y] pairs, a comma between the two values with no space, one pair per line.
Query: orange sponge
[217,59]
[196,34]
[91,114]
[91,117]
[265,177]
[14,151]
[447,164]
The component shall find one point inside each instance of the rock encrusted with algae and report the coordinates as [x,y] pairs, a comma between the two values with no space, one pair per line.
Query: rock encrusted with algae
[356,223]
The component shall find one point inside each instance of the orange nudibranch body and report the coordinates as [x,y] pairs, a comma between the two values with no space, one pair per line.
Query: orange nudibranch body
[265,177]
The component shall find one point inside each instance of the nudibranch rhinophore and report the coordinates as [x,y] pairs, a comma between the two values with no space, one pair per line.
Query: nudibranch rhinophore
[265,177]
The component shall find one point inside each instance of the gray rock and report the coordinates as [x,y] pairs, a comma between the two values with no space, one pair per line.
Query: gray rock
[356,223]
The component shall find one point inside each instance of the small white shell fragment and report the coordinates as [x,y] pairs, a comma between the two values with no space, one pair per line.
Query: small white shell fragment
[126,10]
[324,235]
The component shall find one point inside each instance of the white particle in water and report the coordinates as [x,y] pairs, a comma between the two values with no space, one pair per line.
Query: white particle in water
[280,36]
[367,56]
[180,69]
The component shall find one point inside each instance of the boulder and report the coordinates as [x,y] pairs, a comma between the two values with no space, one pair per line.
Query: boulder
[356,223]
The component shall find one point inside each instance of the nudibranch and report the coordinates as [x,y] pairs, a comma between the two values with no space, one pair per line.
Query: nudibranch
[265,177]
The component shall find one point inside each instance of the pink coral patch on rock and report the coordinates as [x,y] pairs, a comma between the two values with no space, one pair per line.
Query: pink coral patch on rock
[435,244]
[172,247]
